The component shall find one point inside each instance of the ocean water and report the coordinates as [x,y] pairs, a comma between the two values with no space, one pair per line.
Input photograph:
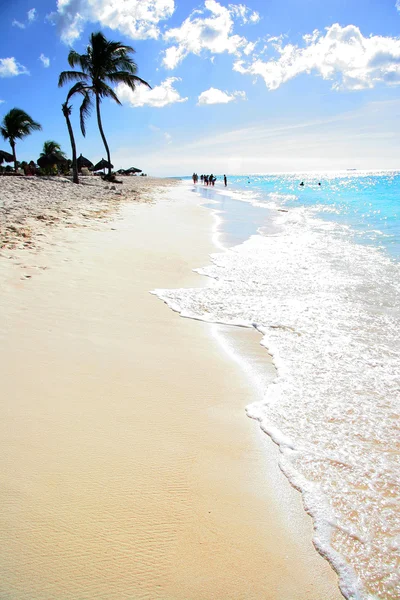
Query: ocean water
[316,269]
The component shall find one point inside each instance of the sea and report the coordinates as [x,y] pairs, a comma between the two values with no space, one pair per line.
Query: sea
[315,268]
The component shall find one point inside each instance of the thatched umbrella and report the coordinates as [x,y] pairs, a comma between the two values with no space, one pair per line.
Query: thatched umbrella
[83,162]
[49,160]
[101,165]
[6,157]
[133,170]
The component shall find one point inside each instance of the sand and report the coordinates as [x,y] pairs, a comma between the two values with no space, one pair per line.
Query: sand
[30,207]
[128,466]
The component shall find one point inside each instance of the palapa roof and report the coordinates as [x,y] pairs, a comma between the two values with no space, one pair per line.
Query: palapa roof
[102,164]
[6,157]
[49,160]
[82,161]
[133,170]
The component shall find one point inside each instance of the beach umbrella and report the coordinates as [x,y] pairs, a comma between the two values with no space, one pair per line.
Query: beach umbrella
[133,170]
[101,165]
[6,157]
[83,162]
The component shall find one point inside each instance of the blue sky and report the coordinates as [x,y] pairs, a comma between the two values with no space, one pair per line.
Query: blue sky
[260,86]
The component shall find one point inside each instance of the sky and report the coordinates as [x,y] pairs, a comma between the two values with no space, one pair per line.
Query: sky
[255,87]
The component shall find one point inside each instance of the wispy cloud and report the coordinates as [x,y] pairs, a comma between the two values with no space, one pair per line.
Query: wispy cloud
[342,55]
[363,138]
[137,19]
[31,16]
[167,136]
[16,23]
[45,60]
[9,67]
[213,32]
[158,97]
[215,96]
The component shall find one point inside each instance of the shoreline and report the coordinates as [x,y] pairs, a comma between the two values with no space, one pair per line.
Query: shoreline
[127,472]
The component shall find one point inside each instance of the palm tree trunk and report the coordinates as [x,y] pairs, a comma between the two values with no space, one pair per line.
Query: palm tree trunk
[102,132]
[73,146]
[12,144]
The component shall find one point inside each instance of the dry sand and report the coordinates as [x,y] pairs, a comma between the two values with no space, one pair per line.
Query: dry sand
[128,467]
[30,207]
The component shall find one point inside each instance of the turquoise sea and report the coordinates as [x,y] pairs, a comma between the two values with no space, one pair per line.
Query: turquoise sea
[367,202]
[316,270]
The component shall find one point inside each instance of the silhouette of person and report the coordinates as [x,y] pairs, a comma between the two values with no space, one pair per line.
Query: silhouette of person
[225,181]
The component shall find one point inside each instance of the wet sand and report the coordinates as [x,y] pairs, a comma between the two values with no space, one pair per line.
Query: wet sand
[128,466]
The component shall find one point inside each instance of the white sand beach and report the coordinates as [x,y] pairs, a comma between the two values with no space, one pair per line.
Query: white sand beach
[129,468]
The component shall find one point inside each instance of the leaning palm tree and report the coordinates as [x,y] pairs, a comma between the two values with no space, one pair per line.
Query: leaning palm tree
[16,125]
[84,110]
[104,62]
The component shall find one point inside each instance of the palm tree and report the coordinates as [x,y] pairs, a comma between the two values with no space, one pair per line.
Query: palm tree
[78,88]
[52,148]
[52,156]
[16,125]
[104,62]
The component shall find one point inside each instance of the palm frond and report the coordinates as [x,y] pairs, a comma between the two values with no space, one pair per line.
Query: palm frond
[17,124]
[4,133]
[123,63]
[78,88]
[52,149]
[74,58]
[105,91]
[84,112]
[66,76]
[123,48]
[125,77]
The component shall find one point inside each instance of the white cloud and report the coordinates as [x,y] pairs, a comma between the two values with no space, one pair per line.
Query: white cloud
[138,19]
[45,60]
[16,23]
[159,96]
[215,96]
[2,101]
[244,13]
[32,15]
[9,67]
[213,33]
[342,55]
[249,48]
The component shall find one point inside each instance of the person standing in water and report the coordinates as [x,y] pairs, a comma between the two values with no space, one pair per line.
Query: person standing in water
[225,181]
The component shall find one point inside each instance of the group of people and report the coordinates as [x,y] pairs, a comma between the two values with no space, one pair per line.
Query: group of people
[207,179]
